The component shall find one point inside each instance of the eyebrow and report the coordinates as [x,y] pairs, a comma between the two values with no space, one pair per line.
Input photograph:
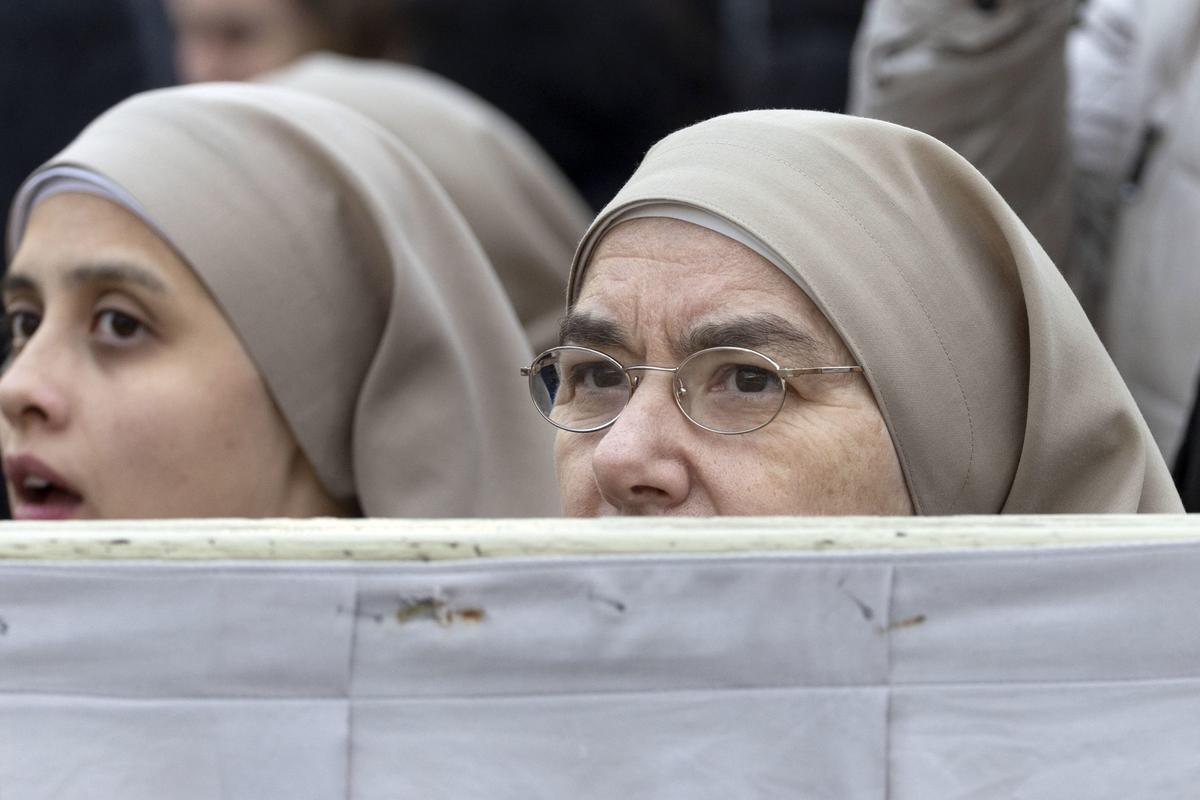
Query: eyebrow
[90,274]
[754,332]
[588,330]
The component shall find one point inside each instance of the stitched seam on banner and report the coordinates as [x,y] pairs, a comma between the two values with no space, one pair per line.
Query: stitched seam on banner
[888,722]
[1042,685]
[348,692]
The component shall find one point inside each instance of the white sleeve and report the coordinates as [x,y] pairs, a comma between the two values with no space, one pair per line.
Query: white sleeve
[1108,133]
[987,77]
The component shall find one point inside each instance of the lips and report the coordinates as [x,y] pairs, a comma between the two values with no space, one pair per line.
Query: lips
[38,492]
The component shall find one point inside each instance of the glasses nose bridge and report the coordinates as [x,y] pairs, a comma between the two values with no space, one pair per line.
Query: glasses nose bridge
[634,380]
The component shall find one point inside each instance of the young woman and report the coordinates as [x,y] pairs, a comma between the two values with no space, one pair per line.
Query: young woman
[243,301]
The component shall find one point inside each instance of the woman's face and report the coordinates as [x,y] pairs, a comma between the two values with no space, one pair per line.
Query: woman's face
[655,291]
[128,394]
[234,40]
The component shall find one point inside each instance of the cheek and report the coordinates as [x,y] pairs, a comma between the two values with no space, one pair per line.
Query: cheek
[833,461]
[881,479]
[576,481]
[200,402]
[141,445]
[852,467]
[238,424]
[146,418]
[192,446]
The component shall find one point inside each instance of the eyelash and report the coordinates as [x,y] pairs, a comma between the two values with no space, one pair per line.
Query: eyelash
[14,341]
[17,332]
[116,316]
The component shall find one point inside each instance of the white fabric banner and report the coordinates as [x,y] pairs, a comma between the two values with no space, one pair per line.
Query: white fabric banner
[1014,671]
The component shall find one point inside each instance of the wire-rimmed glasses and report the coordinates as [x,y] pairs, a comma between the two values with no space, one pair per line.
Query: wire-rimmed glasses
[725,390]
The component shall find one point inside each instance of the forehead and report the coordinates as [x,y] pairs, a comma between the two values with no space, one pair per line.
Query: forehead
[658,278]
[70,229]
[75,222]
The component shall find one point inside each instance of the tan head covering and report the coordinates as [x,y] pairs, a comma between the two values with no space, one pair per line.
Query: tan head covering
[526,215]
[353,283]
[996,391]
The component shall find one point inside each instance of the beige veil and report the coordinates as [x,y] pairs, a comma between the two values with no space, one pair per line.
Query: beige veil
[527,216]
[998,395]
[355,287]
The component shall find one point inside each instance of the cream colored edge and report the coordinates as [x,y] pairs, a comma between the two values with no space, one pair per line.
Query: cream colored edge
[439,540]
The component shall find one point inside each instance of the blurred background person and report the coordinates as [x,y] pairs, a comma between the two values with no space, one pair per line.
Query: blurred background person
[597,82]
[1088,128]
[234,40]
[577,76]
[594,82]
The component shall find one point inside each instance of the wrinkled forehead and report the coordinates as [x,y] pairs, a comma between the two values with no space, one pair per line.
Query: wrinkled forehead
[660,283]
[677,260]
[654,235]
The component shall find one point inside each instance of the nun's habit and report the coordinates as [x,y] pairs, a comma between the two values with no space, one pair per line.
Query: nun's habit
[527,216]
[996,391]
[353,283]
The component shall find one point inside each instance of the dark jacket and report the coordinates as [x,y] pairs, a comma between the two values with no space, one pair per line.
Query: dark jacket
[63,63]
[1187,463]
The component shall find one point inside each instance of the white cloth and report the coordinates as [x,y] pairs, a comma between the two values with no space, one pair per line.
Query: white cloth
[1057,116]
[1045,672]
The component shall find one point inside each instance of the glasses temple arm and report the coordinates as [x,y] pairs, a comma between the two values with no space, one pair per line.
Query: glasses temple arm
[792,372]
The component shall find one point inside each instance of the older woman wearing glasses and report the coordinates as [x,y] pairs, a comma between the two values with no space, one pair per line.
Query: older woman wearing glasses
[798,313]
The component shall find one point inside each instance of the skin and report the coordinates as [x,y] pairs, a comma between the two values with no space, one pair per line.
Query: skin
[128,382]
[828,451]
[234,40]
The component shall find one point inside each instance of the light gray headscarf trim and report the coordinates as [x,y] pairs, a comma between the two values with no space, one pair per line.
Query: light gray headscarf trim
[685,213]
[61,180]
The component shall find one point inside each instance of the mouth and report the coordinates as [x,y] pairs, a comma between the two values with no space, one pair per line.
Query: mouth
[38,492]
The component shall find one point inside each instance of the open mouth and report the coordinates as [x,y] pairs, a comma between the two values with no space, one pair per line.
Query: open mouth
[38,493]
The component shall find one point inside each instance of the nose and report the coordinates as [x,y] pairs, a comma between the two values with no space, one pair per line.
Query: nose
[640,464]
[33,388]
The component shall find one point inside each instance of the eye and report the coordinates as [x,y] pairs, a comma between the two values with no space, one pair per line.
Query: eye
[117,326]
[596,375]
[747,379]
[754,380]
[22,325]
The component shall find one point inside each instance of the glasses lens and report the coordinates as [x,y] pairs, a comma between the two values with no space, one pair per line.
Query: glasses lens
[578,389]
[729,390]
